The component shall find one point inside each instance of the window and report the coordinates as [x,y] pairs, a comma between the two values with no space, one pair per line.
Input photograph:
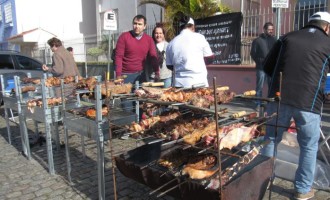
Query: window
[0,14]
[26,63]
[8,13]
[6,62]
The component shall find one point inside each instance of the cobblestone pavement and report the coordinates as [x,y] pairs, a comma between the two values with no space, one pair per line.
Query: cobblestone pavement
[21,178]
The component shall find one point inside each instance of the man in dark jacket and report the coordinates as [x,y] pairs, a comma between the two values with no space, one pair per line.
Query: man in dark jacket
[302,57]
[259,50]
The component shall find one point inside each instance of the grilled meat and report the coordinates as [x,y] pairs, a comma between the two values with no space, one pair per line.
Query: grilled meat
[91,112]
[202,162]
[28,88]
[149,122]
[110,88]
[36,81]
[197,173]
[196,136]
[88,83]
[237,135]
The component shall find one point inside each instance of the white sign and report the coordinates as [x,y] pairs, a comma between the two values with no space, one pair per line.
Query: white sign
[280,3]
[110,21]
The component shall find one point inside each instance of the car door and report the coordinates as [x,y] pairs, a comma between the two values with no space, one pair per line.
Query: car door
[27,64]
[6,63]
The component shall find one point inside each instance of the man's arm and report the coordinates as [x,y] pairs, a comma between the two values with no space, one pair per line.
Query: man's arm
[154,58]
[207,52]
[58,68]
[209,59]
[271,60]
[253,51]
[120,49]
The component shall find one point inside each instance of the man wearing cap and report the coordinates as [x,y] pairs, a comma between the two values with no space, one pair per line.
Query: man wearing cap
[298,65]
[186,55]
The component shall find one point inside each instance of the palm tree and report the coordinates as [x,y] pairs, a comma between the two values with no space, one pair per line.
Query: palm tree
[174,9]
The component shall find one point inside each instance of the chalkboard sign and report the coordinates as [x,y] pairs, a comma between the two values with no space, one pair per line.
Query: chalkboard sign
[223,32]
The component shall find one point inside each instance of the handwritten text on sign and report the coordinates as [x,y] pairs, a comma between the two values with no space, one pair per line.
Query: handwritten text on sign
[223,32]
[280,3]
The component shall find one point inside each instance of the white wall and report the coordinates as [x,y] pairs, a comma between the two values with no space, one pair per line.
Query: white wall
[127,9]
[60,17]
[69,20]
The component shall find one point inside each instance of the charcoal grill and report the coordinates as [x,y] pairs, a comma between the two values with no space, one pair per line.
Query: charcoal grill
[96,129]
[250,182]
[141,165]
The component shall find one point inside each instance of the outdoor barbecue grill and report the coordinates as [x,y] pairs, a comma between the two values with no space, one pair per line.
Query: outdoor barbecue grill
[96,128]
[141,164]
[11,103]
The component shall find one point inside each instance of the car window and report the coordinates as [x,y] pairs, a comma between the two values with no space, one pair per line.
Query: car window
[28,63]
[6,62]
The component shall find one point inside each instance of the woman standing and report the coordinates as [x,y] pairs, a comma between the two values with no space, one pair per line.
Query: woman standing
[158,34]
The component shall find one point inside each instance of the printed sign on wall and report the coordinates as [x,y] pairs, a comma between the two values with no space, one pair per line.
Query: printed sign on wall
[223,32]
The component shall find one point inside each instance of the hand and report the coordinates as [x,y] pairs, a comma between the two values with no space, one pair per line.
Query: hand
[157,77]
[45,68]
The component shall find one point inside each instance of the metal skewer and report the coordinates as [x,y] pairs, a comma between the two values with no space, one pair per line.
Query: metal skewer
[217,132]
[276,133]
[110,143]
[161,187]
[172,188]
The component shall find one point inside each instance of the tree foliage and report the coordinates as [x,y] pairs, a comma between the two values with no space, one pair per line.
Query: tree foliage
[174,9]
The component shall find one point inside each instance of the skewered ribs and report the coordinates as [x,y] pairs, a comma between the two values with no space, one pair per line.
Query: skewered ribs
[170,126]
[200,97]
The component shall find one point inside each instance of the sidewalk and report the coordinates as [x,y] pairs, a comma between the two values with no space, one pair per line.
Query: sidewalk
[29,179]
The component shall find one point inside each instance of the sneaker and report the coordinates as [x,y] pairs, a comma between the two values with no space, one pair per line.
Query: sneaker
[308,195]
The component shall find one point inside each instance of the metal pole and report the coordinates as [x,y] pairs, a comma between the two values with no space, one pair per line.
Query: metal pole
[218,135]
[109,57]
[66,134]
[278,22]
[242,9]
[86,74]
[100,143]
[278,97]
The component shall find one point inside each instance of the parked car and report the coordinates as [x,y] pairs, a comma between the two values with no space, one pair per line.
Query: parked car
[14,63]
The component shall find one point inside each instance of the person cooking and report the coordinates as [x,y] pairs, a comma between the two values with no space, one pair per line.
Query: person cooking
[63,63]
[186,55]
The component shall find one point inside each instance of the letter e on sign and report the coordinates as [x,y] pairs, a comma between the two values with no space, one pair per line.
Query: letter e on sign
[110,21]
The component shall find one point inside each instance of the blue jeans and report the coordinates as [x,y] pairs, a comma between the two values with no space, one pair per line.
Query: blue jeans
[128,105]
[308,134]
[262,77]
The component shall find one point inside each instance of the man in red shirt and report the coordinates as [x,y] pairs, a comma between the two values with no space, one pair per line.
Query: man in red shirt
[132,51]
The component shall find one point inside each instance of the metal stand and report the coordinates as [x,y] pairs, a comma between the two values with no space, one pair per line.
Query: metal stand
[275,139]
[48,122]
[22,119]
[92,130]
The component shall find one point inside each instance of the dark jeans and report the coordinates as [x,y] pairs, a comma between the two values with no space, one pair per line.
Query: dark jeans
[262,77]
[128,105]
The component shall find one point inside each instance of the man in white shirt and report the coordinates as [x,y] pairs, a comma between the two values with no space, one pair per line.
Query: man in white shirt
[187,54]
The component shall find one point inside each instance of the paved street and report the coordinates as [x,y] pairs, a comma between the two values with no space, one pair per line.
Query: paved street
[21,178]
